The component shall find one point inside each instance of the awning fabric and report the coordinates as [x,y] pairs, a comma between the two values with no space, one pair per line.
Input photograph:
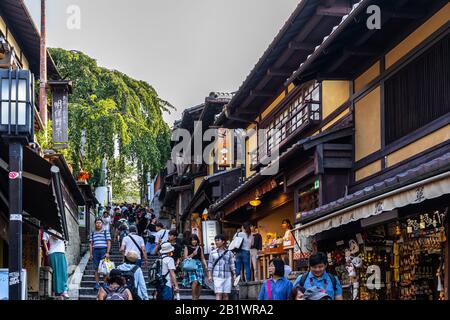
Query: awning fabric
[411,194]
[39,192]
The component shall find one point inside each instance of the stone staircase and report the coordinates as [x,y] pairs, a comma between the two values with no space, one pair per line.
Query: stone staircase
[86,290]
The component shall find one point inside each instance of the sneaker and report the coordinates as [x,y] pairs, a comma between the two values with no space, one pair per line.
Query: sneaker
[97,286]
[65,295]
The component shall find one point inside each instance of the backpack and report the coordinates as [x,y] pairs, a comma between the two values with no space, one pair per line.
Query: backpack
[155,277]
[129,278]
[305,275]
[118,294]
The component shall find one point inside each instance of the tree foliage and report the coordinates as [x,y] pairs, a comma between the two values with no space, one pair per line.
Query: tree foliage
[120,118]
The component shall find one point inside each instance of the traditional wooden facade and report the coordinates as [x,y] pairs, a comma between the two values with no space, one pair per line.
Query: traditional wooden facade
[362,117]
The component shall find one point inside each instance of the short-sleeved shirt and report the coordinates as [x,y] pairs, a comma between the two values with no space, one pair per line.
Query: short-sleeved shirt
[280,289]
[130,246]
[167,264]
[100,239]
[56,245]
[162,234]
[324,282]
[106,223]
[248,239]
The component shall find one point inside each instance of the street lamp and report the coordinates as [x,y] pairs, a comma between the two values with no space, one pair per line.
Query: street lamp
[17,129]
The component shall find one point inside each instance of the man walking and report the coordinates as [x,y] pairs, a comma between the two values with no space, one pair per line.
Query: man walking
[318,277]
[161,236]
[99,247]
[221,269]
[130,264]
[255,248]
[134,242]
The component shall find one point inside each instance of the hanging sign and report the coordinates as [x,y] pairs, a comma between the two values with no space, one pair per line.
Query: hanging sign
[60,117]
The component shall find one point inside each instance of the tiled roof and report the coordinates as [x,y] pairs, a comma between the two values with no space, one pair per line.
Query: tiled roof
[381,187]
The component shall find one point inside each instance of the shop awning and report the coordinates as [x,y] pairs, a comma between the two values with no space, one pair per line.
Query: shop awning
[412,193]
[42,194]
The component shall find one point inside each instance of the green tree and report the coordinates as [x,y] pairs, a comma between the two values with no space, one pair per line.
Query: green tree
[121,119]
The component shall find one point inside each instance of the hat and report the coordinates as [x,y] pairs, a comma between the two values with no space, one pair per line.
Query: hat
[132,256]
[316,293]
[166,248]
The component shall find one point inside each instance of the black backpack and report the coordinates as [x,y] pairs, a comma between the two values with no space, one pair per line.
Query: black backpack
[155,277]
[129,278]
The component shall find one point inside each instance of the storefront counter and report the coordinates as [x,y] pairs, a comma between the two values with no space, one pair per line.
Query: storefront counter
[266,256]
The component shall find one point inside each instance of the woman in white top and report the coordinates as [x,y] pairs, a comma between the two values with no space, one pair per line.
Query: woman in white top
[243,255]
[106,221]
[58,262]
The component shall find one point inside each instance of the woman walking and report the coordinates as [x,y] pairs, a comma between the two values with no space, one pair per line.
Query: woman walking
[58,262]
[195,278]
[243,255]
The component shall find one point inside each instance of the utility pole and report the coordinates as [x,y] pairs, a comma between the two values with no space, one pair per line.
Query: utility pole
[43,70]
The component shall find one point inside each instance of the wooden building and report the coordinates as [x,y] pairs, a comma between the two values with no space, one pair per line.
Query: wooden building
[357,120]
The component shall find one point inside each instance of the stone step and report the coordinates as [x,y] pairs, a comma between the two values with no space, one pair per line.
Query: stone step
[89,290]
[182,297]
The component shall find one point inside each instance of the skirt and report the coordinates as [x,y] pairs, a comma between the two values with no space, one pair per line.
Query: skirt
[58,263]
[192,276]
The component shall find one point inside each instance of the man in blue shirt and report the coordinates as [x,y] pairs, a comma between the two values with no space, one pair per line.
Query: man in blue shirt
[277,287]
[318,277]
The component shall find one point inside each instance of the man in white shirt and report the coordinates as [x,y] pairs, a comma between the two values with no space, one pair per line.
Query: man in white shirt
[134,242]
[162,235]
[58,262]
[168,271]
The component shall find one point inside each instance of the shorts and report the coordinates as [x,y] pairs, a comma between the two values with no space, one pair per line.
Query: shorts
[97,255]
[222,285]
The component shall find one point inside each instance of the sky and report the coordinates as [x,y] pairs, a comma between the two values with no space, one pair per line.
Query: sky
[184,48]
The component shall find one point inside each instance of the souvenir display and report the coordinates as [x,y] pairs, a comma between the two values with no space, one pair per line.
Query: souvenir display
[402,260]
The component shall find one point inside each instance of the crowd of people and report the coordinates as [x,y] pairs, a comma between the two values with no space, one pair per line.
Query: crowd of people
[180,260]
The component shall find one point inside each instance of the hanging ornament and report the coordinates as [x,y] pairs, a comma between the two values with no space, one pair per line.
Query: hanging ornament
[398,230]
[422,222]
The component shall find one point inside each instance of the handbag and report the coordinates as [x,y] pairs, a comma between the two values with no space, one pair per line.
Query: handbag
[189,265]
[236,244]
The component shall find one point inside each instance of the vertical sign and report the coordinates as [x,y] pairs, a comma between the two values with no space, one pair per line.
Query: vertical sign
[60,117]
[210,229]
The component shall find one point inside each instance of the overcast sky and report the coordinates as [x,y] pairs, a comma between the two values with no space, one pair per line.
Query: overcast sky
[184,48]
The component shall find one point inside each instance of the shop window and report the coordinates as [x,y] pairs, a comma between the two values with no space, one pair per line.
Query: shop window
[308,198]
[303,110]
[418,94]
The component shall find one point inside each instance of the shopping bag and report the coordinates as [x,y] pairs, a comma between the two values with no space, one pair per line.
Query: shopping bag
[105,266]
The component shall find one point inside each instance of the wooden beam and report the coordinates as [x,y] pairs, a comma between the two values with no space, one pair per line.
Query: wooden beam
[298,45]
[279,72]
[335,11]
[257,93]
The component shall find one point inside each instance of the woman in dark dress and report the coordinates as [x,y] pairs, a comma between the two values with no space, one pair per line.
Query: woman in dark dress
[195,278]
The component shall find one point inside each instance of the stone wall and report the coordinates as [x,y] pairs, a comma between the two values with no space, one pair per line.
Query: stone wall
[73,249]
